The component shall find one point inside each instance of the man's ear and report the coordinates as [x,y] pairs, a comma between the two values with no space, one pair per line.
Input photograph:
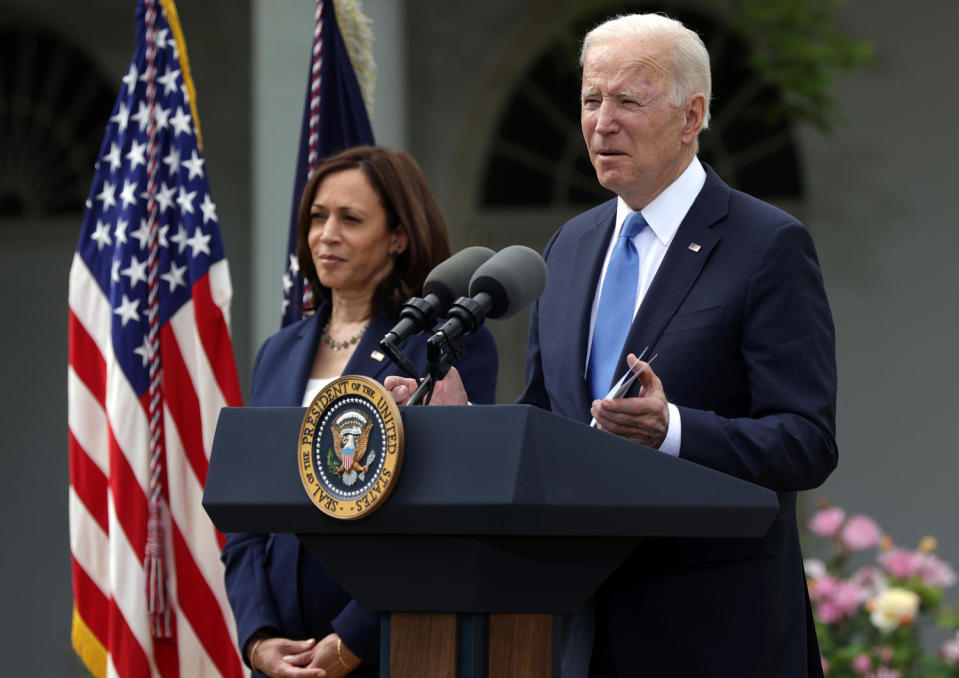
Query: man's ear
[694,116]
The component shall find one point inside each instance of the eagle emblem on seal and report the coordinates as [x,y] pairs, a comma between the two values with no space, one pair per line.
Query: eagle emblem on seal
[351,435]
[350,450]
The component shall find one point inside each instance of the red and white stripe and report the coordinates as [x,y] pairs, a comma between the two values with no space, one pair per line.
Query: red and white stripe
[109,441]
[316,77]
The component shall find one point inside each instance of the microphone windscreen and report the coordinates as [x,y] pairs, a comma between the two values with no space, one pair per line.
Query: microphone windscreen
[513,278]
[450,279]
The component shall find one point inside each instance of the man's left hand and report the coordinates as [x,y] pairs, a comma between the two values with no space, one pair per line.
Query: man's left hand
[643,419]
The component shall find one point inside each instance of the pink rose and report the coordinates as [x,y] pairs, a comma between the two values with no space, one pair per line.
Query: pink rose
[849,596]
[829,612]
[823,588]
[826,523]
[934,571]
[860,533]
[862,664]
[835,599]
[900,563]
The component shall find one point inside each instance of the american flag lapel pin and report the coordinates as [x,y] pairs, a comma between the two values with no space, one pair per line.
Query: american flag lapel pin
[694,246]
[377,356]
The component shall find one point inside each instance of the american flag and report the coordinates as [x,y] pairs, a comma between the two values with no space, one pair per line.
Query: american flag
[334,117]
[151,364]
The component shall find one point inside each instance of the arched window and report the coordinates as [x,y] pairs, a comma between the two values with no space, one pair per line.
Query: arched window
[538,158]
[53,107]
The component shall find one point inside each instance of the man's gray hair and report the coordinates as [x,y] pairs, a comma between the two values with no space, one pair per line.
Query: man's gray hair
[690,67]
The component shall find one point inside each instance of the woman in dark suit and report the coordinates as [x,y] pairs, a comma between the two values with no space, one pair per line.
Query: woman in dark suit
[369,232]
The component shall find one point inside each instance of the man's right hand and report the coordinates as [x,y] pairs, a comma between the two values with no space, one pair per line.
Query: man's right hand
[447,391]
[643,419]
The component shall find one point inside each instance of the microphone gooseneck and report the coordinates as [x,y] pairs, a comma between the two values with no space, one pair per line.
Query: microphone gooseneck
[447,281]
[510,280]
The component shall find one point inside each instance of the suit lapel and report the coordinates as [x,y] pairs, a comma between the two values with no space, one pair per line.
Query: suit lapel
[680,267]
[299,361]
[590,253]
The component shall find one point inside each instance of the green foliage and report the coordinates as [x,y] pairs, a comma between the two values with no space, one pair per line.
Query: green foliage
[332,463]
[796,46]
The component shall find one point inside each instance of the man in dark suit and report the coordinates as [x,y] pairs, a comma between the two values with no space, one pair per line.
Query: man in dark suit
[727,292]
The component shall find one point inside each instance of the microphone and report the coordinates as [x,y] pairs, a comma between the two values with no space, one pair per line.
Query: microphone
[509,281]
[447,281]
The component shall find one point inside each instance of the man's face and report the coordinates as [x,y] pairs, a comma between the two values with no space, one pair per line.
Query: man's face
[638,141]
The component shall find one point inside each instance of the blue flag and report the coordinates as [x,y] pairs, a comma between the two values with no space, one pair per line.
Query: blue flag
[334,118]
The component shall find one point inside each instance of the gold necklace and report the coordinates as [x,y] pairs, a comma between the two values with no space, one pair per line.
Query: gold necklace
[340,345]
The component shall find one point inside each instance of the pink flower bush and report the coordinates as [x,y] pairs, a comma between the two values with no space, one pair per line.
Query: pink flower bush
[870,617]
[860,533]
[826,523]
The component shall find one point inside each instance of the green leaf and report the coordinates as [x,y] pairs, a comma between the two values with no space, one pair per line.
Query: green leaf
[798,48]
[332,464]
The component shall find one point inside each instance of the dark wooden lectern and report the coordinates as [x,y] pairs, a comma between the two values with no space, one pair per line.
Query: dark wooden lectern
[501,510]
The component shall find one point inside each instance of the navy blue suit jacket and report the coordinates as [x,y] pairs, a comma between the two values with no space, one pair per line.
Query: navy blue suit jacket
[738,316]
[272,581]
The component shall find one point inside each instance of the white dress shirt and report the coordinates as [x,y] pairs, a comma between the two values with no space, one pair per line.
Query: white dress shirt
[664,214]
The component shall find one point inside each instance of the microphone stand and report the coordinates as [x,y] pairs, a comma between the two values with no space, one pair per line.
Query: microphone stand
[389,347]
[415,314]
[439,363]
[465,315]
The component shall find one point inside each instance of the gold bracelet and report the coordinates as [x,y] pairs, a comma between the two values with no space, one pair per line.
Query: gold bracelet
[339,654]
[253,654]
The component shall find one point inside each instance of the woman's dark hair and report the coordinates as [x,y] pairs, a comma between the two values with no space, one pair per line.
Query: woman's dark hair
[410,207]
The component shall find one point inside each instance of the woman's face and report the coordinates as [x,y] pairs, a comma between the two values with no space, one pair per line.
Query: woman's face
[348,235]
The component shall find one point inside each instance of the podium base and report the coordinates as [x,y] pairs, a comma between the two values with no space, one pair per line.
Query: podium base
[446,645]
[521,645]
[423,644]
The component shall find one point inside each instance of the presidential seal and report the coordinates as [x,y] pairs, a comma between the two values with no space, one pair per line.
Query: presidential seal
[350,447]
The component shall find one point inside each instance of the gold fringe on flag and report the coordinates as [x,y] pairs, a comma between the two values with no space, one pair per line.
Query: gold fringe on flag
[87,647]
[174,20]
[357,31]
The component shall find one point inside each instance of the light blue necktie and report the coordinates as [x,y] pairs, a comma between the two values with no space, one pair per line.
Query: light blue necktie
[615,313]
